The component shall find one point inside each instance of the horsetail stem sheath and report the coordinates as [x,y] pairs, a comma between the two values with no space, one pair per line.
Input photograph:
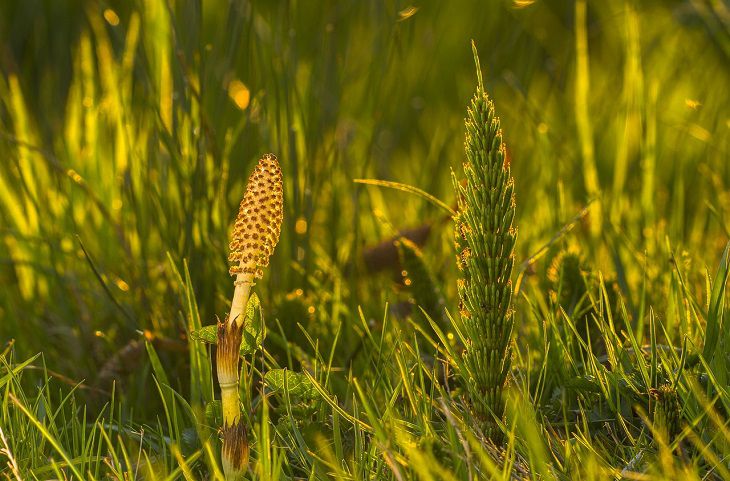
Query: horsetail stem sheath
[234,455]
[255,234]
[485,241]
[227,353]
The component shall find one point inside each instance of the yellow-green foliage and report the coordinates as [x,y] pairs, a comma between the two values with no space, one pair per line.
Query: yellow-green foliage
[127,133]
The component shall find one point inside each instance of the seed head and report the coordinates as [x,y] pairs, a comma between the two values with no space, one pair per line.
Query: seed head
[258,225]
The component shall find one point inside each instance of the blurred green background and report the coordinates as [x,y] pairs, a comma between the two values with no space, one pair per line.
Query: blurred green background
[128,130]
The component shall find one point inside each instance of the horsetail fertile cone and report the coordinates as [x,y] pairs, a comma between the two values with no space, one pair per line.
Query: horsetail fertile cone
[256,231]
[485,241]
[255,234]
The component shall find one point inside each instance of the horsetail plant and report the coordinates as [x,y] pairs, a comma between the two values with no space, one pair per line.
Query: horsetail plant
[255,234]
[485,241]
[667,412]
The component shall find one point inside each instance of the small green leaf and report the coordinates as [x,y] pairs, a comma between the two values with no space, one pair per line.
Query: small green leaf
[253,328]
[214,413]
[298,385]
[206,334]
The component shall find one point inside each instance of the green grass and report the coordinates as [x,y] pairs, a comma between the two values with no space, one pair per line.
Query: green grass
[124,159]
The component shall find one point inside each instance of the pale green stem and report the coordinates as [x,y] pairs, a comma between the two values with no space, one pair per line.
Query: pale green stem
[241,293]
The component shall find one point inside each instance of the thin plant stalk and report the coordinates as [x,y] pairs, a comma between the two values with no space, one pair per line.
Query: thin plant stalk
[255,234]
